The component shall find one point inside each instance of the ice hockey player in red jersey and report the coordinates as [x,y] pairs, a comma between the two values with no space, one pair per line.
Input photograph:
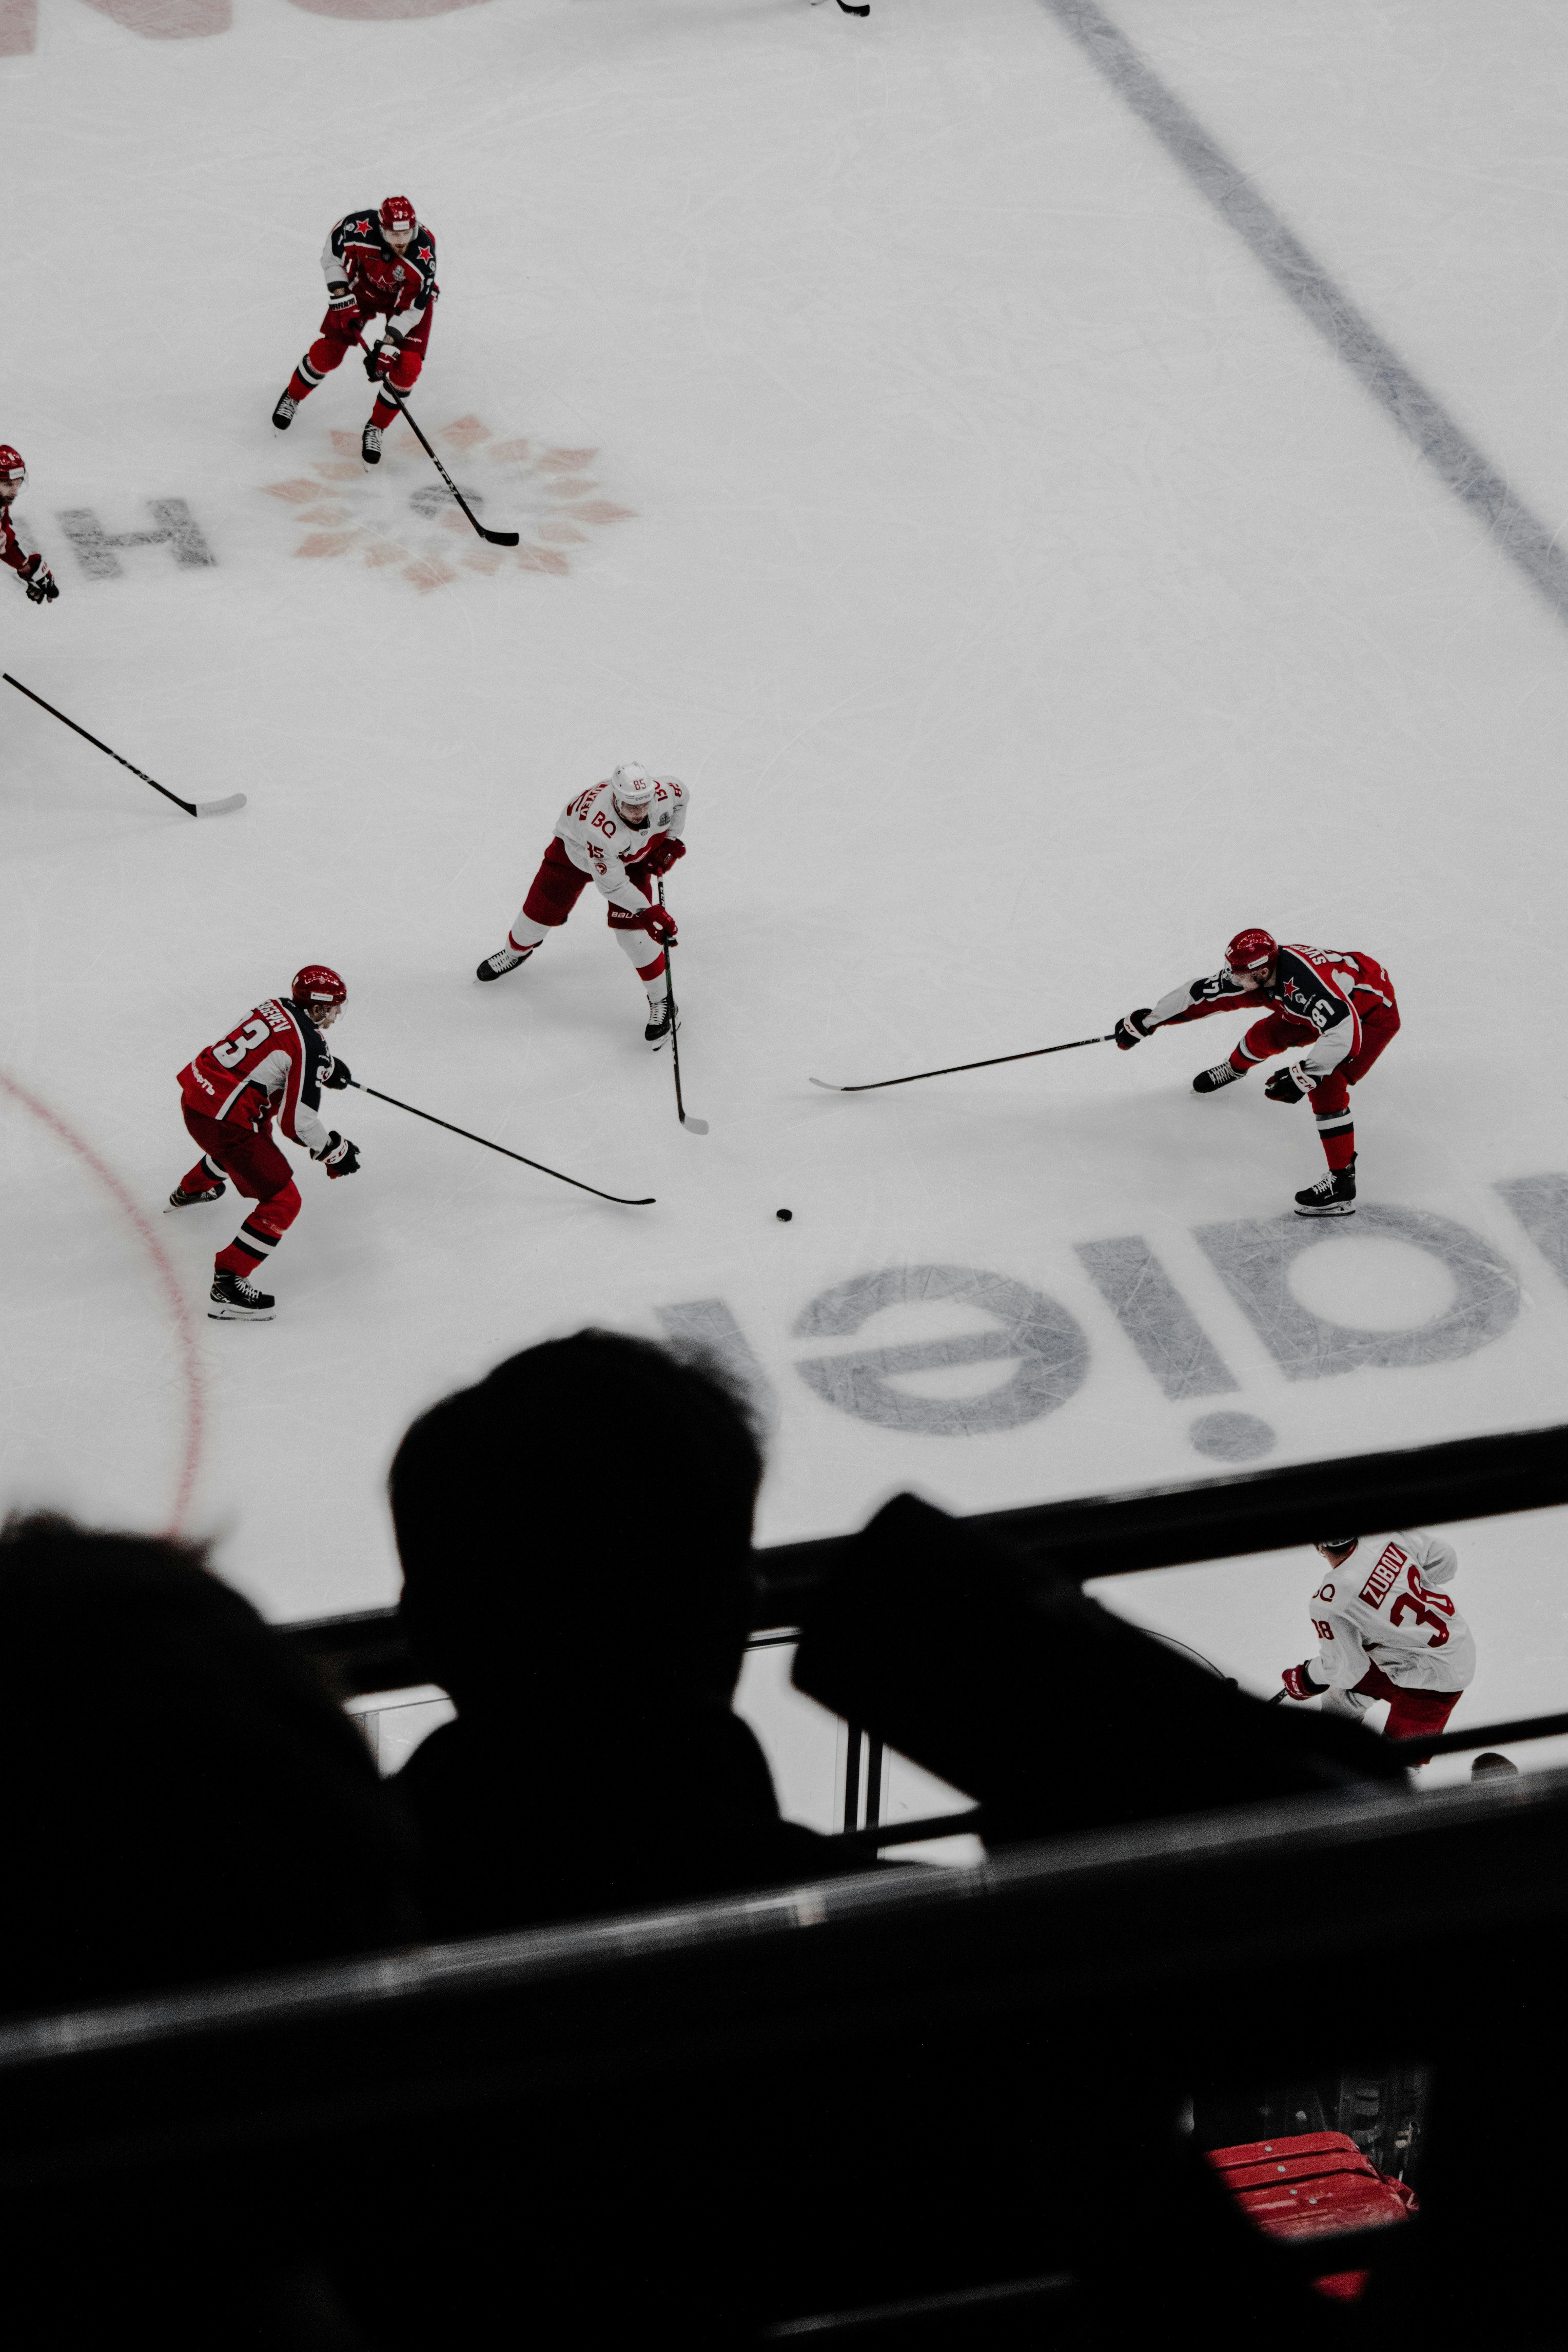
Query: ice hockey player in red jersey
[1386,1633]
[31,570]
[1340,1007]
[275,1061]
[378,263]
[620,835]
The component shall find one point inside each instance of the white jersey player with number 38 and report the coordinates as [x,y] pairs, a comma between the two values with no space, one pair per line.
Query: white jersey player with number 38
[1386,1632]
[619,834]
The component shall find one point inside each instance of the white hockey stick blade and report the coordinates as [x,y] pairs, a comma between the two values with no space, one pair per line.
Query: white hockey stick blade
[830,1086]
[219,808]
[694,1126]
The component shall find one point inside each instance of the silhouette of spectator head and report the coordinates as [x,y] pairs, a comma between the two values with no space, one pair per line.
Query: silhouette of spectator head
[1491,1764]
[183,1801]
[577,1528]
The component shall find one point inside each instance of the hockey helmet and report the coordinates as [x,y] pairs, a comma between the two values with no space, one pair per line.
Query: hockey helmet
[12,469]
[395,211]
[1251,951]
[632,786]
[315,988]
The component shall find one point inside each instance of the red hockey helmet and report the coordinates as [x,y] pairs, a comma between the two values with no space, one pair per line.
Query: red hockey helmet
[1251,951]
[11,467]
[316,987]
[395,210]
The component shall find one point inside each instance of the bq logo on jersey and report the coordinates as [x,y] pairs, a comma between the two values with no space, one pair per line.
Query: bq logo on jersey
[1375,1592]
[403,516]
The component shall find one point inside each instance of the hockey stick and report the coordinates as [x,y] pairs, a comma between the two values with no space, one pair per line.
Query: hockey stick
[692,1125]
[619,1198]
[1033,1051]
[496,537]
[192,808]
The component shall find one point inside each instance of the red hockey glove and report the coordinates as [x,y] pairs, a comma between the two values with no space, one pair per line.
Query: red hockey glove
[1132,1028]
[39,581]
[380,362]
[656,922]
[1290,1086]
[660,860]
[342,298]
[338,1156]
[1298,1681]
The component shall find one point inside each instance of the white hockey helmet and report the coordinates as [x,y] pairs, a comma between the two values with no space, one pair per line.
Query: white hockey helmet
[632,786]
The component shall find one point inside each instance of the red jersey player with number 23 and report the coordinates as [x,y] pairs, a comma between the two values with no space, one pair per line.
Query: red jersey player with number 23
[273,1063]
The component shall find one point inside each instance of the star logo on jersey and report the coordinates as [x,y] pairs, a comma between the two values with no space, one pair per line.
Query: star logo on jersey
[403,515]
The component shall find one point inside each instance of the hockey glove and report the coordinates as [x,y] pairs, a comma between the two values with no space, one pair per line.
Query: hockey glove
[1132,1028]
[337,1155]
[1290,1086]
[656,922]
[380,362]
[660,860]
[1298,1681]
[337,1074]
[343,298]
[39,581]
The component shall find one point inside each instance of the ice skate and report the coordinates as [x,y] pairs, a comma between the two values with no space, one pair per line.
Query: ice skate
[658,1023]
[180,1199]
[1332,1195]
[505,959]
[234,1300]
[1223,1073]
[370,444]
[283,414]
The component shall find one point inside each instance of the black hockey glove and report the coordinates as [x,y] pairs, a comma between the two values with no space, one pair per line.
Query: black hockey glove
[338,1156]
[383,356]
[1298,1682]
[1282,1087]
[342,298]
[337,1074]
[39,581]
[1132,1028]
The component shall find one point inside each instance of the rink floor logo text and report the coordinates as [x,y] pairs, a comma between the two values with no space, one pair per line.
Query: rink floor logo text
[403,517]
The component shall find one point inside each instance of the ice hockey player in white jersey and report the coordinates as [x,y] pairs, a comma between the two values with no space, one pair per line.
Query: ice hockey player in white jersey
[1386,1633]
[619,835]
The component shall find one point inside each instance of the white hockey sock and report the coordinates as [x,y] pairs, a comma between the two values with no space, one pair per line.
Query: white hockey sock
[525,934]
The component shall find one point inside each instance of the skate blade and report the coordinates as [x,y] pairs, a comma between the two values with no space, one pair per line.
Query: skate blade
[1335,1209]
[241,1314]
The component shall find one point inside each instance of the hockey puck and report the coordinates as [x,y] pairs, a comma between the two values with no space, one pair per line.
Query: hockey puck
[783,1216]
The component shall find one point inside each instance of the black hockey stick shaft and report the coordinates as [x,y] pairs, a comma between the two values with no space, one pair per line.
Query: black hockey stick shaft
[189,807]
[496,537]
[619,1198]
[991,1062]
[700,1124]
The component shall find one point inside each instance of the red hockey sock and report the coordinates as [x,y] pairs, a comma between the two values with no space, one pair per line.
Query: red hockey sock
[384,411]
[297,387]
[236,1259]
[199,1179]
[1339,1149]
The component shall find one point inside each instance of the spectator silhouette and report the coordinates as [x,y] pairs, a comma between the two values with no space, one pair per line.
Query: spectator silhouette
[576,1538]
[183,1802]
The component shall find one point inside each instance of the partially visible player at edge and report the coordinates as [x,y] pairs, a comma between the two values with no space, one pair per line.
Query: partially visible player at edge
[378,263]
[275,1060]
[31,570]
[1338,1005]
[1386,1633]
[619,833]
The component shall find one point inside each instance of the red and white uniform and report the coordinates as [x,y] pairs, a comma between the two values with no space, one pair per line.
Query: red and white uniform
[399,287]
[596,842]
[11,549]
[1387,1632]
[271,1063]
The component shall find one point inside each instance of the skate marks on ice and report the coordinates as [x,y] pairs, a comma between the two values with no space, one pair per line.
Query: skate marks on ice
[1411,408]
[1370,1271]
[403,515]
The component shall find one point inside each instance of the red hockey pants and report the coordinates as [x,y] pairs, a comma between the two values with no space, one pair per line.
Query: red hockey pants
[1412,1713]
[556,890]
[259,1172]
[1282,1033]
[338,338]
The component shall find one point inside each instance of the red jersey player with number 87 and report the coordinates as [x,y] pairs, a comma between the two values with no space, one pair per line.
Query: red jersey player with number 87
[275,1061]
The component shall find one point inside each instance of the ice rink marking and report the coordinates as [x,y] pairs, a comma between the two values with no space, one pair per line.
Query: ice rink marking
[169,1282]
[1350,335]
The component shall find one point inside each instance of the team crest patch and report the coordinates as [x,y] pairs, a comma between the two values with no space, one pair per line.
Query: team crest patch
[1375,1590]
[403,517]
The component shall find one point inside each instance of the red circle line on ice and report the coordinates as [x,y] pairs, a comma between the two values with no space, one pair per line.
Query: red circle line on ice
[402,516]
[168,1282]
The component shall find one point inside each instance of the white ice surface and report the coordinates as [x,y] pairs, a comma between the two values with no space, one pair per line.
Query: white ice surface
[1029,599]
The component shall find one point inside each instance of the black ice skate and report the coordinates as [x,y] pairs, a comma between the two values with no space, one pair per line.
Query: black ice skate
[505,959]
[658,1023]
[234,1301]
[1223,1073]
[180,1199]
[283,414]
[370,444]
[1332,1195]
